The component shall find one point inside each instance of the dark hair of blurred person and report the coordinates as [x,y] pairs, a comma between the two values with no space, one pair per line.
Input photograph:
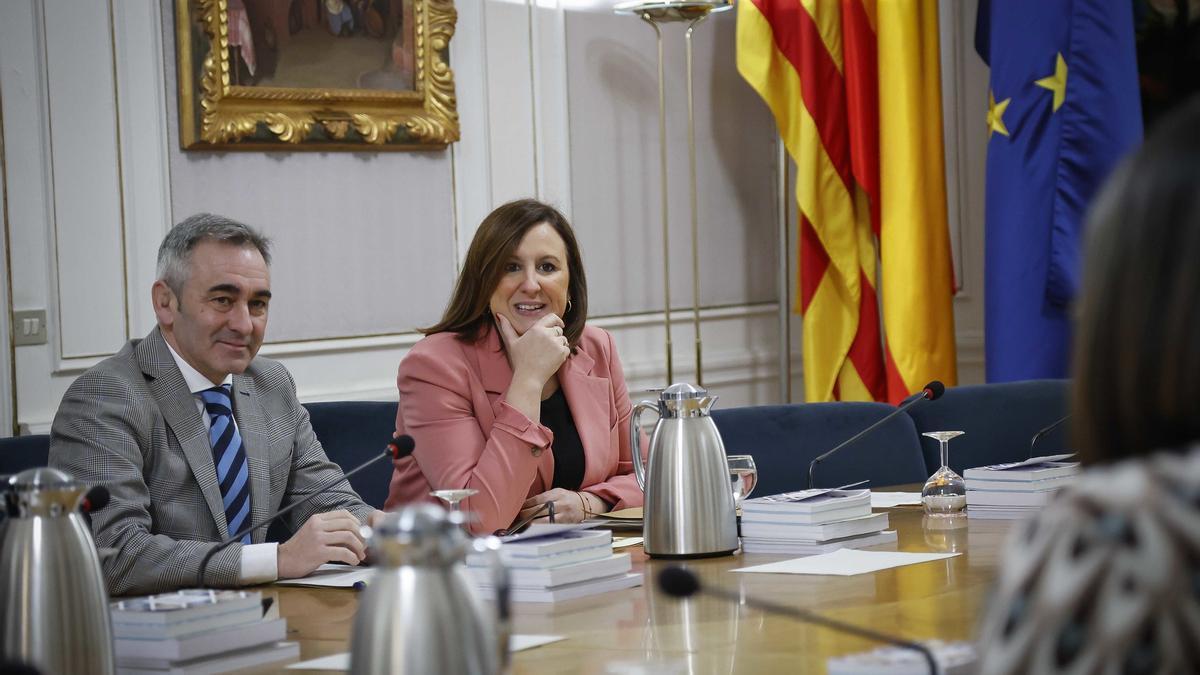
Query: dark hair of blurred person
[1104,577]
[1137,347]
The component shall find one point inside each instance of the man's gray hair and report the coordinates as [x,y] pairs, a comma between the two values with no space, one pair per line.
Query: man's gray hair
[176,250]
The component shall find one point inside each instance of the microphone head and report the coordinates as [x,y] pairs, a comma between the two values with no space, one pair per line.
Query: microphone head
[402,446]
[96,499]
[678,582]
[934,390]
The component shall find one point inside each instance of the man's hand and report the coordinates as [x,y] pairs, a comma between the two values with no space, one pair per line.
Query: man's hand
[375,517]
[325,537]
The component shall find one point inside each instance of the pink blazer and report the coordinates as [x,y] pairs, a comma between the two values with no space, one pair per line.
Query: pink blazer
[467,436]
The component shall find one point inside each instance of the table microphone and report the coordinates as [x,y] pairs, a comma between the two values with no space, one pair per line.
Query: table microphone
[932,392]
[681,583]
[401,446]
[95,499]
[1045,430]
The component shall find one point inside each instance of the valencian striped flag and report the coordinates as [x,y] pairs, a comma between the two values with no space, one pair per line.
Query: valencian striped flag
[855,89]
[1063,107]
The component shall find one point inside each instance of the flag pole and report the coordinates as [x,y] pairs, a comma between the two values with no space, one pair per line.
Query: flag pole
[785,281]
[666,235]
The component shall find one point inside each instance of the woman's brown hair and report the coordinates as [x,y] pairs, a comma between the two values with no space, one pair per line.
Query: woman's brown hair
[497,238]
[1136,382]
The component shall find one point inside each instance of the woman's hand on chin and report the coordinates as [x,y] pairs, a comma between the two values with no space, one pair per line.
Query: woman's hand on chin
[538,354]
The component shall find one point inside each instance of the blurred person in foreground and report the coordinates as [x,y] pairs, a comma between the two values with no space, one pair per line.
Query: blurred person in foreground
[511,393]
[1107,578]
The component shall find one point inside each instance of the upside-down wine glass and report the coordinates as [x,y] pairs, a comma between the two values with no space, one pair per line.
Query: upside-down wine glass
[453,497]
[744,476]
[945,493]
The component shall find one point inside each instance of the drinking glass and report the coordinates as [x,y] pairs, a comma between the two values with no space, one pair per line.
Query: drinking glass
[744,476]
[945,493]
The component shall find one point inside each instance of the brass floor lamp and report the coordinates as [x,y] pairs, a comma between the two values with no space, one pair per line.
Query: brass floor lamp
[691,12]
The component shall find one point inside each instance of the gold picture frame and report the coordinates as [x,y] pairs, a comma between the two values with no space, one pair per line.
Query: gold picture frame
[218,111]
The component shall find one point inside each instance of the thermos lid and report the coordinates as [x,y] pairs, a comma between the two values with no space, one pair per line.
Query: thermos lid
[42,478]
[419,534]
[682,391]
[414,523]
[43,492]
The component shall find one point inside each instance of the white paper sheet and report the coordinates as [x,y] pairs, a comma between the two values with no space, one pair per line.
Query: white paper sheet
[625,542]
[846,562]
[331,576]
[516,643]
[886,500]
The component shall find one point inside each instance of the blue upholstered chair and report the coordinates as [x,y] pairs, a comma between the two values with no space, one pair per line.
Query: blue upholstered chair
[784,439]
[351,433]
[1000,420]
[23,452]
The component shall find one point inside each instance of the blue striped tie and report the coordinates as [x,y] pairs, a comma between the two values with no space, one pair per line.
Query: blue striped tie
[229,457]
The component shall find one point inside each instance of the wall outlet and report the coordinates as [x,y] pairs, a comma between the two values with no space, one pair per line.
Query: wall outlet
[29,327]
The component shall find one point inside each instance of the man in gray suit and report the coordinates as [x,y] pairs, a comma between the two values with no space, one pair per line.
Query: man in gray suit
[196,438]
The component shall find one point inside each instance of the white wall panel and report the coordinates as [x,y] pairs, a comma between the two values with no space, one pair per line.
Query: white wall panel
[613,98]
[27,181]
[26,151]
[511,120]
[89,253]
[145,173]
[551,104]
[472,153]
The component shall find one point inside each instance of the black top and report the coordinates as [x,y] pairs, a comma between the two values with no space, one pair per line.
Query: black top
[567,448]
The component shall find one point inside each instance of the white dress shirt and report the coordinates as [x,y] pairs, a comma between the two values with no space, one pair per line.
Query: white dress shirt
[260,562]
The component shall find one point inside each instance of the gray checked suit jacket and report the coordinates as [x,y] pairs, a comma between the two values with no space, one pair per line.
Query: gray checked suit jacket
[131,424]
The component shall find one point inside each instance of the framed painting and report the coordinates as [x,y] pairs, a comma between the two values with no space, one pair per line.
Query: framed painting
[315,74]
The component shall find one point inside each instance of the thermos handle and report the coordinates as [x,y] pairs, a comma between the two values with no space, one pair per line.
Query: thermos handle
[490,546]
[635,445]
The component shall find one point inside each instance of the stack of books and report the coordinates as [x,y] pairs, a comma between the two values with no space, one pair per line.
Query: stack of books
[811,522]
[558,567]
[1014,490]
[196,631]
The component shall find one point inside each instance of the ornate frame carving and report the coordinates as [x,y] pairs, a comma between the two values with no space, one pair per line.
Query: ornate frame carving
[215,114]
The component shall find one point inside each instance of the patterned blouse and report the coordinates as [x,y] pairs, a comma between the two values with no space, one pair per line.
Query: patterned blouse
[1106,579]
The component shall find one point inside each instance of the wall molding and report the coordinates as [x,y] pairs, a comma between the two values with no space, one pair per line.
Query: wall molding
[364,368]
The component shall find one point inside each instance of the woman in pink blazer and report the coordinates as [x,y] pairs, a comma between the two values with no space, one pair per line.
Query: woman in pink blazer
[510,393]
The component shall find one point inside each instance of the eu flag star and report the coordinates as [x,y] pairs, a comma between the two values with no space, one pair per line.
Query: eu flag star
[1056,83]
[995,115]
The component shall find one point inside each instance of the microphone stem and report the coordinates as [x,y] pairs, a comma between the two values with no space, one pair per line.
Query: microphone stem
[819,620]
[812,467]
[1038,436]
[282,512]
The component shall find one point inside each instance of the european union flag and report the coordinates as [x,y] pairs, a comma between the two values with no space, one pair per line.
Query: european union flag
[1063,108]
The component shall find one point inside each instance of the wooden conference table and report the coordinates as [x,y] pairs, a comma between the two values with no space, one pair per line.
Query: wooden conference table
[640,630]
